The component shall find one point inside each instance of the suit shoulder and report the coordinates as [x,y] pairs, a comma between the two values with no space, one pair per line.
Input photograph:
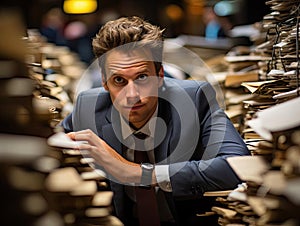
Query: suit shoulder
[95,92]
[186,84]
[97,97]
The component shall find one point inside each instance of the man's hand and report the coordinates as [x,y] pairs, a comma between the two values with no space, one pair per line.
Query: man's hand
[120,168]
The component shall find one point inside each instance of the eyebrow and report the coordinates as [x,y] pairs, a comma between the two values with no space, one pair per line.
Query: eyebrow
[122,75]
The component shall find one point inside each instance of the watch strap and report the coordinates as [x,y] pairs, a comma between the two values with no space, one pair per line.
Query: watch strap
[146,179]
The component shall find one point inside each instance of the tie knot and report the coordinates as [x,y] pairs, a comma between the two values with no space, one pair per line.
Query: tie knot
[140,135]
[140,141]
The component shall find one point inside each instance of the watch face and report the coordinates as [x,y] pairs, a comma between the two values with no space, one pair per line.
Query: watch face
[147,166]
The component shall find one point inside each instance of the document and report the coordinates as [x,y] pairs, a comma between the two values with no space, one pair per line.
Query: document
[62,140]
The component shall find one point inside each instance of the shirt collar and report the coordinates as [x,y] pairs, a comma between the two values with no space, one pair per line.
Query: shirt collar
[147,129]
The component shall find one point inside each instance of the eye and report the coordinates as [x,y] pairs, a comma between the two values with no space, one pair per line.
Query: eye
[118,80]
[142,77]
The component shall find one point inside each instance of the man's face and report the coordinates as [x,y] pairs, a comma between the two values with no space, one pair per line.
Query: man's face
[133,84]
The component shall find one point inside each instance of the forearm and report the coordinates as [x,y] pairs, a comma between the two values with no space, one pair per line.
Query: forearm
[193,178]
[120,168]
[111,161]
[123,170]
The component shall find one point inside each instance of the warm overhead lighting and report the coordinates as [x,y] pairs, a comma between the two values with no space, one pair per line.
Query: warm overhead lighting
[174,12]
[80,6]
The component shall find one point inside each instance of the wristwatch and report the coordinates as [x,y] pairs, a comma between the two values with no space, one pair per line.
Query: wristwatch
[147,169]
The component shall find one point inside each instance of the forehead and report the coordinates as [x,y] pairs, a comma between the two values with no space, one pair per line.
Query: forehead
[123,56]
[118,60]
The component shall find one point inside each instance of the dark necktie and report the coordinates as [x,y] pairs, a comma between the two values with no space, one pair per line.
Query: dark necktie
[145,197]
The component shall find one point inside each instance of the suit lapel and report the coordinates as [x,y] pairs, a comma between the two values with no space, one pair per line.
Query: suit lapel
[162,150]
[112,131]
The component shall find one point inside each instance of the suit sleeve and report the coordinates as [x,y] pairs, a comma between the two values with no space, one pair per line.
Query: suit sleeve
[67,124]
[218,140]
[83,115]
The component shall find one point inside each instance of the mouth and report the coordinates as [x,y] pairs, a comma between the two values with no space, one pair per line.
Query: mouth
[134,107]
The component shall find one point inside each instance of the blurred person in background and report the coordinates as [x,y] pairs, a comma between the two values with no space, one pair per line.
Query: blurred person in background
[215,26]
[53,25]
[79,32]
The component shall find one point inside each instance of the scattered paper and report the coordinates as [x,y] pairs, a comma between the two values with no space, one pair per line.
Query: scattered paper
[62,140]
[280,117]
[249,168]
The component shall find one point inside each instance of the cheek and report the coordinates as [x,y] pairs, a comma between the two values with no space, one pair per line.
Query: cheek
[116,96]
[115,99]
[150,102]
[153,101]
[149,91]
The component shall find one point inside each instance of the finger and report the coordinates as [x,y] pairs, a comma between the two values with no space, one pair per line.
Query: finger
[85,146]
[86,131]
[85,135]
[71,135]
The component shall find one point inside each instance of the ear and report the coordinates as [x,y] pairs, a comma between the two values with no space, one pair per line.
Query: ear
[161,76]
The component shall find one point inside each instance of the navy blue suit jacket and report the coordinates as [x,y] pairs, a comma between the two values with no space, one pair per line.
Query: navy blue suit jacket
[198,138]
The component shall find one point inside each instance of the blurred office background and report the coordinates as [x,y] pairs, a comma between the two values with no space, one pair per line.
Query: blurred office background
[178,17]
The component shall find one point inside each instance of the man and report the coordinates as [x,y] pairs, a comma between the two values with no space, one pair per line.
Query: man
[187,137]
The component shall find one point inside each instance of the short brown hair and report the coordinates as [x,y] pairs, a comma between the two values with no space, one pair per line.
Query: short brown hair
[127,30]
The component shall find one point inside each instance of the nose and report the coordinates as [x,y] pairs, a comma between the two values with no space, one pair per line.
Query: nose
[132,91]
